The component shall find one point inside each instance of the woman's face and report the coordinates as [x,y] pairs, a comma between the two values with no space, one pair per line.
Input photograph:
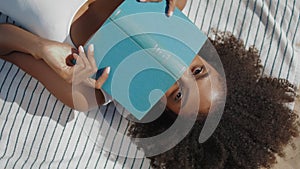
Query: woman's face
[200,85]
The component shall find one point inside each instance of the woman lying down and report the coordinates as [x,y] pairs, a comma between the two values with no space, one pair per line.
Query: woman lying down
[255,127]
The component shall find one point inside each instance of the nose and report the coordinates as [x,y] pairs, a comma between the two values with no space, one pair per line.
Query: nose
[190,100]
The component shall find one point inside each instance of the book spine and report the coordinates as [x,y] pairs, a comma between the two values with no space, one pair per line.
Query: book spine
[174,65]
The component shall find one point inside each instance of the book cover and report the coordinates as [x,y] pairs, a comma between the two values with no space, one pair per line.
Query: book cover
[147,52]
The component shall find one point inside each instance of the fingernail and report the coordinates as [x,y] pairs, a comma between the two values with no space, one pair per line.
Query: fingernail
[92,47]
[81,49]
[143,0]
[170,13]
[107,70]
[73,61]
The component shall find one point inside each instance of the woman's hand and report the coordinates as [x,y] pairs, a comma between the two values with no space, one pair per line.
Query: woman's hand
[85,67]
[171,5]
[73,65]
[58,56]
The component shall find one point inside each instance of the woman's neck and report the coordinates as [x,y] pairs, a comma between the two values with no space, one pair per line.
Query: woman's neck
[90,17]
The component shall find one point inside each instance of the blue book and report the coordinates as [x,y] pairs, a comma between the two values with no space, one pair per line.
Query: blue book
[147,52]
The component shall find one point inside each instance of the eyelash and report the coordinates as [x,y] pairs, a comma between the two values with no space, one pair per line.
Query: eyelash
[197,68]
[179,93]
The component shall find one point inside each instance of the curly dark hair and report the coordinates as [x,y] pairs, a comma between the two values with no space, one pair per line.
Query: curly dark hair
[256,124]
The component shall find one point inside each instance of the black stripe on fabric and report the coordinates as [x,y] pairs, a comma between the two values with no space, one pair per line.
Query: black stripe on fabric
[290,65]
[2,66]
[5,78]
[8,114]
[271,39]
[32,119]
[45,130]
[258,26]
[228,16]
[106,135]
[61,136]
[113,141]
[134,160]
[18,139]
[279,39]
[7,94]
[197,12]
[243,20]
[212,16]
[121,145]
[68,144]
[15,117]
[142,163]
[47,127]
[190,7]
[236,16]
[100,128]
[87,139]
[205,11]
[6,119]
[79,137]
[265,33]
[125,159]
[251,21]
[6,20]
[22,123]
[98,134]
[287,31]
[221,15]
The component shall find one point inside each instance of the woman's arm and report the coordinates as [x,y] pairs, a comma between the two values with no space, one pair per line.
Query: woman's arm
[14,39]
[82,97]
[29,52]
[57,55]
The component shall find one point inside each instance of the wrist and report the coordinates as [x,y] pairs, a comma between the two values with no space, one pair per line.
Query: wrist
[38,50]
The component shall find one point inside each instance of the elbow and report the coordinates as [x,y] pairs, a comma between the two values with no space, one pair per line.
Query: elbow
[4,31]
[180,4]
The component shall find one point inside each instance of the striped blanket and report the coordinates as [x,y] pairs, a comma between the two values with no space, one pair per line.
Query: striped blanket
[38,131]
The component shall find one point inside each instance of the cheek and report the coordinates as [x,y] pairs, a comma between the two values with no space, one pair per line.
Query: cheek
[205,95]
[173,107]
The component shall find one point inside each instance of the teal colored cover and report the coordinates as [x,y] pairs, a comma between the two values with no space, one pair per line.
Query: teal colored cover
[147,52]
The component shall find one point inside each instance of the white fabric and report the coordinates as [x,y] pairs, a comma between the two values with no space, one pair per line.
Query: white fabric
[50,19]
[37,130]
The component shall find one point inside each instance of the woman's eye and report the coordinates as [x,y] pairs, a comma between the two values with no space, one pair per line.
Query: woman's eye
[198,70]
[178,96]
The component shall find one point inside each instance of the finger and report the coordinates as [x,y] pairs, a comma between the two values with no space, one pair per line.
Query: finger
[83,56]
[171,7]
[90,82]
[150,0]
[78,70]
[91,59]
[102,78]
[89,68]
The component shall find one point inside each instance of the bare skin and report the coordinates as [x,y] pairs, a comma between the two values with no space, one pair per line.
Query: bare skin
[59,84]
